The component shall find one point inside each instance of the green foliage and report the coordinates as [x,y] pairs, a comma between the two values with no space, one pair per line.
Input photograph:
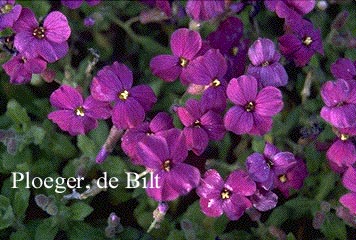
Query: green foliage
[79,211]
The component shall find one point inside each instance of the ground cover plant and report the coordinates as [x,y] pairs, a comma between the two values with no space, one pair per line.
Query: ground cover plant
[195,119]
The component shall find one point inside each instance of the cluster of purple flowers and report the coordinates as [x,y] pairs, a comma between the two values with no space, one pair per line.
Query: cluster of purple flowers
[35,44]
[229,97]
[339,97]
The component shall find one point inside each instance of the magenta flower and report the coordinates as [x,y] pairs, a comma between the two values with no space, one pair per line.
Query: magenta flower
[114,84]
[344,68]
[340,99]
[230,197]
[228,39]
[185,45]
[201,124]
[9,13]
[146,130]
[292,179]
[20,69]
[73,4]
[285,8]
[48,41]
[265,66]
[164,155]
[342,153]
[301,42]
[200,10]
[349,182]
[264,167]
[253,110]
[75,115]
[209,70]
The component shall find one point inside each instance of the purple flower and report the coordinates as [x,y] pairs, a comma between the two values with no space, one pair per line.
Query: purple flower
[265,66]
[200,10]
[185,44]
[285,8]
[89,21]
[230,197]
[340,99]
[342,153]
[9,13]
[75,115]
[344,68]
[292,179]
[301,43]
[201,124]
[20,69]
[48,40]
[349,181]
[264,167]
[253,110]
[73,4]
[164,155]
[228,39]
[114,84]
[209,70]
[264,200]
[146,130]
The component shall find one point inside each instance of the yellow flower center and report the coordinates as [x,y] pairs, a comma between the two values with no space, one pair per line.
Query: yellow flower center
[197,124]
[307,41]
[215,83]
[344,137]
[183,62]
[79,111]
[124,95]
[225,194]
[283,178]
[234,51]
[166,166]
[6,8]
[39,32]
[250,107]
[265,64]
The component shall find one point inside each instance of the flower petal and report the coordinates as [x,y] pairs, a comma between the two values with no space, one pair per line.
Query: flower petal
[211,185]
[144,95]
[57,28]
[185,43]
[238,121]
[269,102]
[127,114]
[166,67]
[257,167]
[66,97]
[349,201]
[349,179]
[242,90]
[241,183]
[197,139]
[96,109]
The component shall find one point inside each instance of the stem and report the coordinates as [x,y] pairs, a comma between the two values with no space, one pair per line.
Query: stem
[152,226]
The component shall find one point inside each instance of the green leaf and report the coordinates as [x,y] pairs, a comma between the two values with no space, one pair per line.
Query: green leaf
[6,213]
[80,210]
[291,236]
[258,144]
[176,235]
[47,230]
[81,230]
[279,215]
[20,235]
[87,146]
[20,202]
[334,228]
[18,115]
